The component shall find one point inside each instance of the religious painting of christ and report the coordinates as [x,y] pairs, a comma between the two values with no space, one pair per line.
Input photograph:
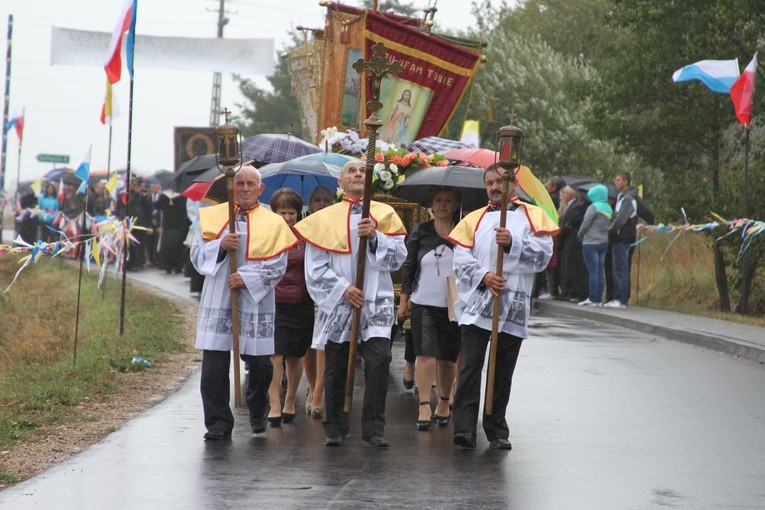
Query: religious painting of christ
[404,107]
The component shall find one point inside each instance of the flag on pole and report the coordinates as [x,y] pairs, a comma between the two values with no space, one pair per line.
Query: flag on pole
[111,186]
[61,194]
[109,110]
[742,92]
[125,23]
[717,75]
[83,171]
[18,123]
[37,186]
[470,136]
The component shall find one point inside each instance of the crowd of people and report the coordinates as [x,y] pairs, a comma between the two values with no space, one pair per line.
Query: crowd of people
[160,221]
[593,252]
[300,299]
[298,291]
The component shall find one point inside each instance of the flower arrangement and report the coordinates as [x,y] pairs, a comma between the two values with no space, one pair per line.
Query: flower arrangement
[344,143]
[391,162]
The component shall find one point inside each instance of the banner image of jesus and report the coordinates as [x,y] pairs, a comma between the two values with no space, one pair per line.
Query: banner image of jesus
[405,104]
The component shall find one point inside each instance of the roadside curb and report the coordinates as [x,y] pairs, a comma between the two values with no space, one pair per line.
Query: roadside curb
[731,338]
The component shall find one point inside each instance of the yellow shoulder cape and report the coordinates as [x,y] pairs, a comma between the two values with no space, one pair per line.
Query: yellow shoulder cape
[329,228]
[268,234]
[464,233]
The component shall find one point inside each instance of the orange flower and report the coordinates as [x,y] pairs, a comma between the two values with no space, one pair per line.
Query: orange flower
[443,162]
[379,157]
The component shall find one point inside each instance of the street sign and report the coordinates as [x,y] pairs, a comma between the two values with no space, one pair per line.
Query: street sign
[53,158]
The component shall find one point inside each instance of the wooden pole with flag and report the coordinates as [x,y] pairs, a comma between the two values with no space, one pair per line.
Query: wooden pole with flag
[376,69]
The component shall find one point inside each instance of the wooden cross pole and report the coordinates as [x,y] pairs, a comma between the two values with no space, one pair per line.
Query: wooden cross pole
[376,69]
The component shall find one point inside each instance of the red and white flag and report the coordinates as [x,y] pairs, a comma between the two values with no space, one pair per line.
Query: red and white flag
[742,92]
[125,23]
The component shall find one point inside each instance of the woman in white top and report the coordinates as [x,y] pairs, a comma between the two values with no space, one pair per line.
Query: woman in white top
[436,339]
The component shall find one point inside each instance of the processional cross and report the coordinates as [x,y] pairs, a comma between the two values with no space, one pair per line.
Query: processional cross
[376,68]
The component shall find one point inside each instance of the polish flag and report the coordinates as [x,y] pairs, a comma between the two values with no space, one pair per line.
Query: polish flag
[125,23]
[742,92]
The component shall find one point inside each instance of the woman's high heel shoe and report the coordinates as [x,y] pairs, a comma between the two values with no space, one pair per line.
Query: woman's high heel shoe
[423,424]
[316,413]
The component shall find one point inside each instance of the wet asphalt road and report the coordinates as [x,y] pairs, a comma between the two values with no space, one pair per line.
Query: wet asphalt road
[600,417]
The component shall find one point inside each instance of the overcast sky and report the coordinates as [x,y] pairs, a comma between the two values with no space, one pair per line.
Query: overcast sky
[62,103]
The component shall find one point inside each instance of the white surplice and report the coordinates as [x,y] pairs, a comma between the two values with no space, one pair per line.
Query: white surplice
[328,274]
[256,299]
[528,255]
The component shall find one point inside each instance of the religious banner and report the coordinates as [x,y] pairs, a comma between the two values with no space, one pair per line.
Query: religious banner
[419,102]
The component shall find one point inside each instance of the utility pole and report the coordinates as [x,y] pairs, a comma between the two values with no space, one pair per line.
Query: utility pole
[215,102]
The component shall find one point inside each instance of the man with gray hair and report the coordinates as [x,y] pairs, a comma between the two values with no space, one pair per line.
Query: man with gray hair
[261,241]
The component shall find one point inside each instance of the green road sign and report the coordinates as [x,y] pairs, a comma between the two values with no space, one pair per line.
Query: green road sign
[53,158]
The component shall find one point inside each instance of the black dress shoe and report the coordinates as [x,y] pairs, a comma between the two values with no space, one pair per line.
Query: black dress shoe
[217,435]
[334,441]
[500,444]
[275,421]
[378,442]
[258,425]
[288,417]
[465,439]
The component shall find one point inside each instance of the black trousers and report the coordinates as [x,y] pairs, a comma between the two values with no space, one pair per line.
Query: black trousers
[215,387]
[468,397]
[376,354]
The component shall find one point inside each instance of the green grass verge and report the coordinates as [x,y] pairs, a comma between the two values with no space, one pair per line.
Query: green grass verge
[41,383]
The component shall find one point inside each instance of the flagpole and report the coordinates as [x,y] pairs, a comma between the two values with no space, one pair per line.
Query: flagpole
[127,208]
[109,154]
[746,171]
[79,279]
[131,66]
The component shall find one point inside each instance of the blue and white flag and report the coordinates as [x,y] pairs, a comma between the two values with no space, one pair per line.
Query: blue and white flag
[717,75]
[83,171]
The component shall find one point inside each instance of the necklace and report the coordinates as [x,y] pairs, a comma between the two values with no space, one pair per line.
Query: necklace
[437,255]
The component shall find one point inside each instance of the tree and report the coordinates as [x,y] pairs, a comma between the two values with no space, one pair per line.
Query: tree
[395,6]
[549,93]
[270,112]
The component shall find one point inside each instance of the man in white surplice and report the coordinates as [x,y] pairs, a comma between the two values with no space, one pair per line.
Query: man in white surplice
[262,241]
[332,235]
[526,245]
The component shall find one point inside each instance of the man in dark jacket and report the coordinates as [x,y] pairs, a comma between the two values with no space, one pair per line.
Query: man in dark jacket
[621,236]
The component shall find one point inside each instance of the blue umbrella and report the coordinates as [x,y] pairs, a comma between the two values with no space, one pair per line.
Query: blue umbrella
[300,174]
[331,158]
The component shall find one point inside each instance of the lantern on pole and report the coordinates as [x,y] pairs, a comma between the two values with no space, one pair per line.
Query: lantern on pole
[510,144]
[227,157]
[510,148]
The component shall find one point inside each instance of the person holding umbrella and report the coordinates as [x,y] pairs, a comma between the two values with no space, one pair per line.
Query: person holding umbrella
[261,241]
[436,339]
[332,236]
[526,244]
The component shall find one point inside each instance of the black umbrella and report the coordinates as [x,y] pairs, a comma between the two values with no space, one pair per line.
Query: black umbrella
[575,181]
[191,169]
[468,180]
[165,178]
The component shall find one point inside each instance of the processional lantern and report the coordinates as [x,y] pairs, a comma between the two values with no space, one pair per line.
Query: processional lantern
[510,145]
[229,143]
